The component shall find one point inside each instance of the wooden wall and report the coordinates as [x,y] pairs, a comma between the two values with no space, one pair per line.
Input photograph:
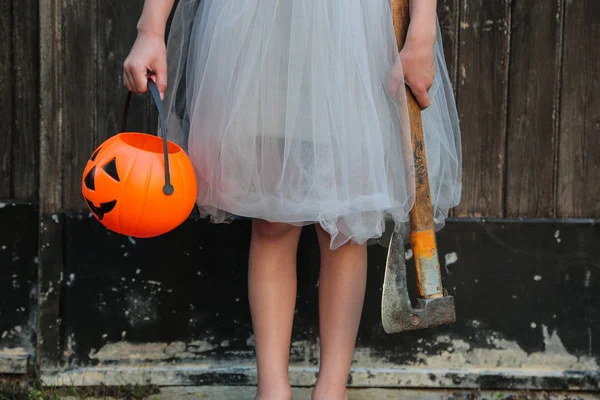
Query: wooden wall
[19,99]
[526,75]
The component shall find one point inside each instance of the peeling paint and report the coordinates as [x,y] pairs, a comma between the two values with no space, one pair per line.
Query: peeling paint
[127,351]
[503,354]
[451,258]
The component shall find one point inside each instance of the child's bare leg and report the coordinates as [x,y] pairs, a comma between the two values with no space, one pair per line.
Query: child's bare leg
[342,287]
[272,295]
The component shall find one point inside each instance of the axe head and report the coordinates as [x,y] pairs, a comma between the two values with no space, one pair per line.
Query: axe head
[397,312]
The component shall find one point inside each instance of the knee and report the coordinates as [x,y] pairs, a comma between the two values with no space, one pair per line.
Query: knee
[273,230]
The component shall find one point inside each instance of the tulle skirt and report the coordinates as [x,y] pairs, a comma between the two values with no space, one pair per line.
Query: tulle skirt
[283,109]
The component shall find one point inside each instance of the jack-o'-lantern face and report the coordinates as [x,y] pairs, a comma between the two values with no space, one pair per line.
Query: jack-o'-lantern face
[123,181]
[110,177]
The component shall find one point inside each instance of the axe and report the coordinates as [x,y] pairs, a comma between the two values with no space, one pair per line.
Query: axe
[433,305]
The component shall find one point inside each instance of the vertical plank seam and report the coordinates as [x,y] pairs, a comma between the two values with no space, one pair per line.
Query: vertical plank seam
[456,47]
[95,140]
[509,11]
[11,100]
[557,105]
[60,96]
[455,55]
[458,3]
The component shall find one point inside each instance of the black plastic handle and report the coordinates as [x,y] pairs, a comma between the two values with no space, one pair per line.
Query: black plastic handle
[153,89]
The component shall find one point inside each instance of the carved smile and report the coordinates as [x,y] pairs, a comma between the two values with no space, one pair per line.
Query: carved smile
[103,209]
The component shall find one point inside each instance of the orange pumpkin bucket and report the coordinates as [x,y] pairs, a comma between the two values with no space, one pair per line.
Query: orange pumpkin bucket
[138,184]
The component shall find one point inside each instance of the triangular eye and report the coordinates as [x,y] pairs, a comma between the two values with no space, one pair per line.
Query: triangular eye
[93,157]
[111,169]
[89,179]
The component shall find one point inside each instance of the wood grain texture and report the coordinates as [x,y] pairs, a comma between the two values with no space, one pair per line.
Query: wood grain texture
[536,34]
[116,34]
[482,103]
[26,100]
[52,132]
[448,15]
[449,18]
[80,66]
[6,100]
[52,142]
[578,193]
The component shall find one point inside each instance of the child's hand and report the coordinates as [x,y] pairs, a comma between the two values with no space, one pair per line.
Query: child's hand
[418,67]
[148,57]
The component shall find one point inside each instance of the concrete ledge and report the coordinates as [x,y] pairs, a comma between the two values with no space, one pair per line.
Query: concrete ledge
[426,378]
[248,392]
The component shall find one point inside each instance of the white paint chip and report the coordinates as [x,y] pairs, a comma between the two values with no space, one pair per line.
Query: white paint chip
[451,258]
[4,334]
[408,254]
[537,278]
[533,325]
[138,271]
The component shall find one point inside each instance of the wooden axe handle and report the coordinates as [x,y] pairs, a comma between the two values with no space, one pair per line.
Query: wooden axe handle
[429,279]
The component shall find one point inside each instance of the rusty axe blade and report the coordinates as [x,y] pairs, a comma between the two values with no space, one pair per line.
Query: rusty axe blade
[434,307]
[397,311]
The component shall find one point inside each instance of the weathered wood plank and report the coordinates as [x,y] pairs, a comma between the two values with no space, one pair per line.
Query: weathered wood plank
[448,15]
[66,88]
[115,37]
[80,66]
[578,193]
[52,119]
[6,98]
[26,99]
[533,107]
[482,103]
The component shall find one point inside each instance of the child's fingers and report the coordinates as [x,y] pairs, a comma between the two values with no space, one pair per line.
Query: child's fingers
[420,93]
[128,79]
[160,78]
[140,78]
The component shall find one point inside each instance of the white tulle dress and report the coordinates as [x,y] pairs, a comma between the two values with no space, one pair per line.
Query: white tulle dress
[283,109]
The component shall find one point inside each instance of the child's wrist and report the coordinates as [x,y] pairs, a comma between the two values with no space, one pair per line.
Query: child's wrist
[421,34]
[150,28]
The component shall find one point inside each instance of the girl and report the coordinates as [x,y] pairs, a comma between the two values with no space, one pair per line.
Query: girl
[294,113]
